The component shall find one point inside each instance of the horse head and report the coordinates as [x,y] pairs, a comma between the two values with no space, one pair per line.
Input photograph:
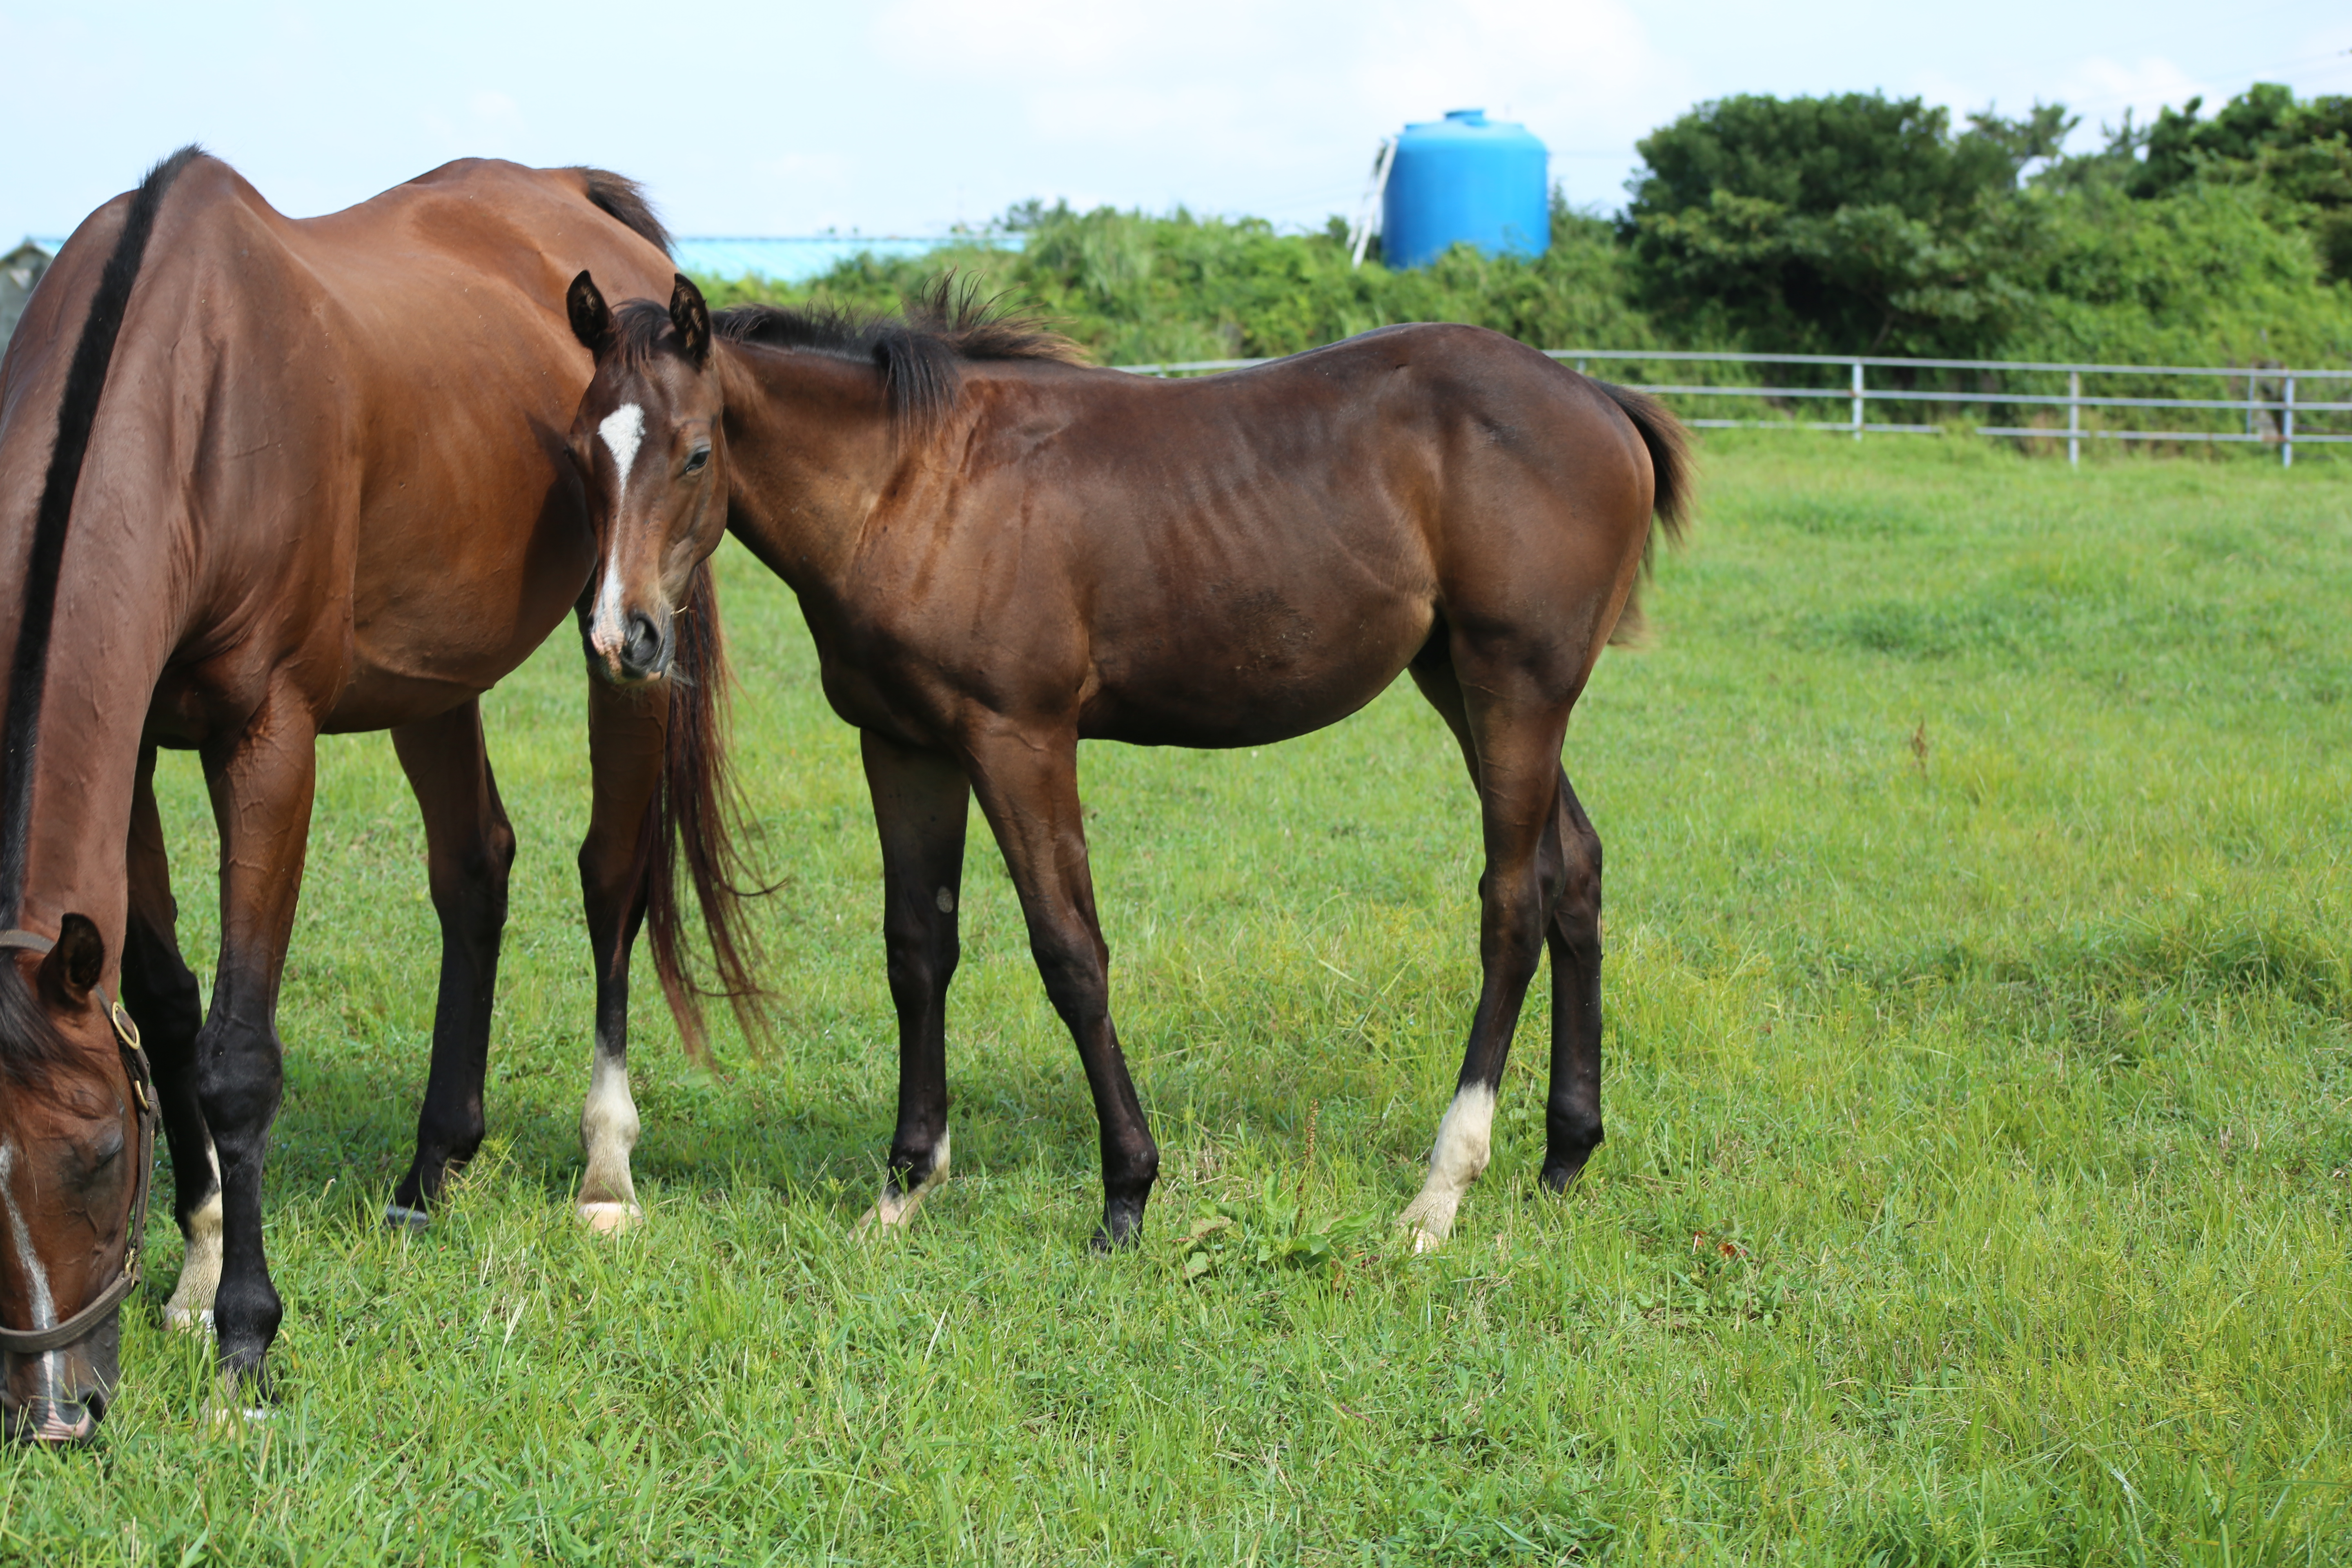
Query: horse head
[652,454]
[75,1132]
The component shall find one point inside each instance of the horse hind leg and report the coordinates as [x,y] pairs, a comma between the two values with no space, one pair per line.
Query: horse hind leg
[469,848]
[1510,737]
[160,992]
[1572,1110]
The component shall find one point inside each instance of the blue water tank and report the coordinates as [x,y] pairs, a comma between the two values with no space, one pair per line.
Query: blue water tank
[1465,177]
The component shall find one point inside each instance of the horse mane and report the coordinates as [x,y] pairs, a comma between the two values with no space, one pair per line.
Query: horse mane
[29,1042]
[921,355]
[624,201]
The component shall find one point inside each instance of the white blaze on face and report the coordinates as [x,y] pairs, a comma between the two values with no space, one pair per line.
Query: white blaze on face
[623,431]
[1464,1142]
[42,1304]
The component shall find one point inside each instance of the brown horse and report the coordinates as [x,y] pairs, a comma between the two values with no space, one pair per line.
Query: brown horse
[1001,553]
[261,480]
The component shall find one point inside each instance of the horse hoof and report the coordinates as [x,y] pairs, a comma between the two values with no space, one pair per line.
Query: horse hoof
[607,1218]
[400,1216]
[236,1414]
[189,1320]
[890,1212]
[1427,1222]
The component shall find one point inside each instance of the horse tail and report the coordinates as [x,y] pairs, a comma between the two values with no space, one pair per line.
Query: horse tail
[696,825]
[1672,500]
[93,356]
[624,201]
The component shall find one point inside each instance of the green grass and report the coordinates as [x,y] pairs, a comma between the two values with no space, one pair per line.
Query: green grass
[1978,1186]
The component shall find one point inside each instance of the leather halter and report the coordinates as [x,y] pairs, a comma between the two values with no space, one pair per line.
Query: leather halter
[39,1342]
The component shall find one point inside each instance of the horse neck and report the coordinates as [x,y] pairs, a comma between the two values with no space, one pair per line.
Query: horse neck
[117,600]
[811,452]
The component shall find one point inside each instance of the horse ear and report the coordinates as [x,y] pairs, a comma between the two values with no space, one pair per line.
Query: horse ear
[691,317]
[73,966]
[591,319]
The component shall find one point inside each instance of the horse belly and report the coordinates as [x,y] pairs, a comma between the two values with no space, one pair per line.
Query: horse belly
[1255,669]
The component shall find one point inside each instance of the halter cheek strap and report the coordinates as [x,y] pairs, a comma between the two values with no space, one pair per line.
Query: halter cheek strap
[39,1342]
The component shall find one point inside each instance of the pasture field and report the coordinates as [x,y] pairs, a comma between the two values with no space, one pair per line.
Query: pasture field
[1979,1187]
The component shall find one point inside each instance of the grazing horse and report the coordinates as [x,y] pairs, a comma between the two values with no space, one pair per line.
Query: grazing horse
[1001,554]
[261,480]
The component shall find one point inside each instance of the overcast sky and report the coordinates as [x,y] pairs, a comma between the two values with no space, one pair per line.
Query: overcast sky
[907,116]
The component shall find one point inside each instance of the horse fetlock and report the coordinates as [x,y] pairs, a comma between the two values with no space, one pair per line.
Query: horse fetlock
[896,1204]
[1464,1143]
[608,1132]
[191,1306]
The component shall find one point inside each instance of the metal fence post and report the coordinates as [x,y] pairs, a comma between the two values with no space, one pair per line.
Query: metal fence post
[2286,428]
[1857,400]
[2074,417]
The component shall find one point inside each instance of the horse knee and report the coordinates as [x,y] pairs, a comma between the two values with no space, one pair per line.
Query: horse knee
[240,1078]
[469,889]
[1075,980]
[921,955]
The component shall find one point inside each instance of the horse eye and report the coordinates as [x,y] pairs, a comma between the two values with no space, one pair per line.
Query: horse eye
[696,458]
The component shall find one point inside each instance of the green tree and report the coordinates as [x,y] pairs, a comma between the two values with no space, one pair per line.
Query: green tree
[1847,224]
[2298,151]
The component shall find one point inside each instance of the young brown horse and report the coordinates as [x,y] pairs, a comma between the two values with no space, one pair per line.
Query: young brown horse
[1001,553]
[261,480]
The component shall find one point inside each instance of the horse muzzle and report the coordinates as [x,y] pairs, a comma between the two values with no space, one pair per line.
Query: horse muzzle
[646,649]
[60,1396]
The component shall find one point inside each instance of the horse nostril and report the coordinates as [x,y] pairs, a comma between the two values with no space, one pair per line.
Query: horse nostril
[642,648]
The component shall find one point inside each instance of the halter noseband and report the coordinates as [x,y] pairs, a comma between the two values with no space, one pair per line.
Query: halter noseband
[39,1341]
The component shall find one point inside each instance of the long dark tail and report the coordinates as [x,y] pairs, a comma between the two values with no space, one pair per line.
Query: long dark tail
[1670,460]
[697,821]
[28,671]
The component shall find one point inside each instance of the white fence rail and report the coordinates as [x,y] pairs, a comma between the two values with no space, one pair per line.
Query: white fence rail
[2269,407]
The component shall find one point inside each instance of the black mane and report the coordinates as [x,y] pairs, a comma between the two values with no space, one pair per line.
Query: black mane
[624,200]
[946,326]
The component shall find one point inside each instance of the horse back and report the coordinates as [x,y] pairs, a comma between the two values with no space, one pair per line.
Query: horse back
[1226,560]
[336,429]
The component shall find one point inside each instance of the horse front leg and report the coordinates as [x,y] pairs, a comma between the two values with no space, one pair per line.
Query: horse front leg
[262,782]
[160,992]
[921,800]
[1028,786]
[469,847]
[627,731]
